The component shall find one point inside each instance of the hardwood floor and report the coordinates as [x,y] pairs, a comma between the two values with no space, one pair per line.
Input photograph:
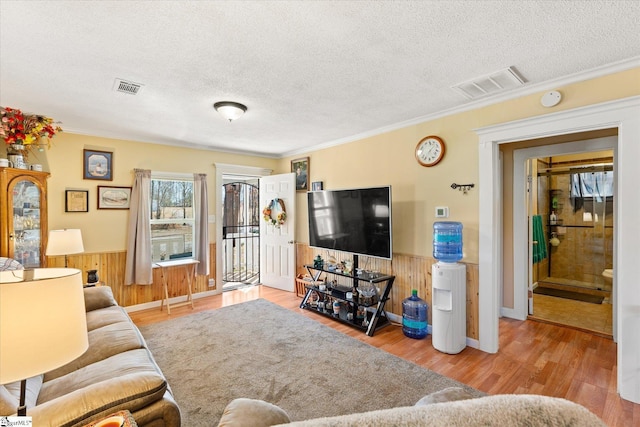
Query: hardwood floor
[534,357]
[596,318]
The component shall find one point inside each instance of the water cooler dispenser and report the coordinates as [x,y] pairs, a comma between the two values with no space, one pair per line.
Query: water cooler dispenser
[449,296]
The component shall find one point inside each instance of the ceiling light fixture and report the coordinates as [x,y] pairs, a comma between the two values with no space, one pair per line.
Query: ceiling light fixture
[230,110]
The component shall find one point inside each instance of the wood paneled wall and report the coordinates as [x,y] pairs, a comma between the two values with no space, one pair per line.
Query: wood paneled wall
[412,272]
[111,266]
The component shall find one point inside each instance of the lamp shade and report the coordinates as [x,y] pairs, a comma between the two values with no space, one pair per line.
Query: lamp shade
[230,110]
[64,242]
[42,321]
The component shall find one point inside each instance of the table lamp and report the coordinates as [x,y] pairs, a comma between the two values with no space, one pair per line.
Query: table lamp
[42,323]
[64,242]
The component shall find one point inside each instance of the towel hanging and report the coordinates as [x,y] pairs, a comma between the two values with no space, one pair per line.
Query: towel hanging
[539,249]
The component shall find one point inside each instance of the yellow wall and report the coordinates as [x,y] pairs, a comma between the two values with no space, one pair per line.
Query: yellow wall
[105,230]
[389,159]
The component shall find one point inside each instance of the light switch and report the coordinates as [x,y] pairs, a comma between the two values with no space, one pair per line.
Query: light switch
[212,219]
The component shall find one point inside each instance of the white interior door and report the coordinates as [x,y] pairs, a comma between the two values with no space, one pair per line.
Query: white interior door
[277,248]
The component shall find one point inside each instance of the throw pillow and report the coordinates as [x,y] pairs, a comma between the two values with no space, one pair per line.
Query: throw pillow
[244,412]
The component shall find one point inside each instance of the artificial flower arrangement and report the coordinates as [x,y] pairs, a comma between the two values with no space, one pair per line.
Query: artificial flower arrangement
[18,129]
[267,212]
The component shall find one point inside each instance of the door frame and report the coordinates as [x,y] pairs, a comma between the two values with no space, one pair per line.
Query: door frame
[623,114]
[222,170]
[521,250]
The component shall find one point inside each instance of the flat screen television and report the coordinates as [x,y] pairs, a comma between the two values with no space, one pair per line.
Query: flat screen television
[354,220]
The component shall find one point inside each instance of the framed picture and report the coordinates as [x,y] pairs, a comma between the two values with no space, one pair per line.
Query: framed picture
[316,185]
[114,197]
[98,165]
[76,201]
[301,168]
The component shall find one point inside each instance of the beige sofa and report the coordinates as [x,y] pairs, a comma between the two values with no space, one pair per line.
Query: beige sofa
[117,372]
[448,408]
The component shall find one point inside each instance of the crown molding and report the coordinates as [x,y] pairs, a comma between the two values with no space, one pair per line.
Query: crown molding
[592,73]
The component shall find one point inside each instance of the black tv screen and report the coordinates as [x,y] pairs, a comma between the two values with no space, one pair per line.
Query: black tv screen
[352,220]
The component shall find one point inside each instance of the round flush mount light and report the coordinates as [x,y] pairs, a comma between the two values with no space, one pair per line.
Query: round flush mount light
[551,99]
[230,110]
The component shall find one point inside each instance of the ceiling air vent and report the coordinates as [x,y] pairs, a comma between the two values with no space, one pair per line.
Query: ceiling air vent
[126,86]
[490,84]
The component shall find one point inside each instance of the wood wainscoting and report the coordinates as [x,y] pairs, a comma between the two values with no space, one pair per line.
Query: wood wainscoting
[111,266]
[411,271]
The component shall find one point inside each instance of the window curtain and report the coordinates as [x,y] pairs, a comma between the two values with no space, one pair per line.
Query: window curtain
[201,219]
[138,264]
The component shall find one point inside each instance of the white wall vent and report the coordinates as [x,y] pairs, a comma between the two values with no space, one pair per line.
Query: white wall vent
[490,84]
[126,86]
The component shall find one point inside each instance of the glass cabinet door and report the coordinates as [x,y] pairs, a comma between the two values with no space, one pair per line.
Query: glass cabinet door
[27,234]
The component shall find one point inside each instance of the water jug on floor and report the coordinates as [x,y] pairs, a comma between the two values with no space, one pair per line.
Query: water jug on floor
[414,316]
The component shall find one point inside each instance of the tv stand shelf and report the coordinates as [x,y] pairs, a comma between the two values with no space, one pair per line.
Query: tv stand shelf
[348,314]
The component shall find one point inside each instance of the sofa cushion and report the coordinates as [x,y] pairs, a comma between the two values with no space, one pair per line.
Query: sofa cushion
[97,297]
[106,316]
[252,413]
[107,370]
[104,342]
[132,391]
[10,395]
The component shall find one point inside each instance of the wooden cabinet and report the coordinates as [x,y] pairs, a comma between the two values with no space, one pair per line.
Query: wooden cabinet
[23,216]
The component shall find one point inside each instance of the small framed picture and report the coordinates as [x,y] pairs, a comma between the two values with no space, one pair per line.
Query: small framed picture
[301,168]
[114,197]
[98,165]
[316,186]
[76,201]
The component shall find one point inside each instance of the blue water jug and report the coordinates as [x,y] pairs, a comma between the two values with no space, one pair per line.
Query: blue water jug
[414,316]
[447,241]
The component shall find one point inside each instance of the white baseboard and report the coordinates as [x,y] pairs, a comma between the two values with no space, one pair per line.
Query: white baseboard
[395,318]
[174,300]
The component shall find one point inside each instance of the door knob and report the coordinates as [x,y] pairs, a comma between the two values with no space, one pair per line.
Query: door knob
[291,242]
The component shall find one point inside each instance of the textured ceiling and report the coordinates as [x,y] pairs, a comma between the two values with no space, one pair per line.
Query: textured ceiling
[312,73]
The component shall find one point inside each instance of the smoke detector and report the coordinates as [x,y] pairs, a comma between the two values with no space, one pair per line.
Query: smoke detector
[551,99]
[489,84]
[127,86]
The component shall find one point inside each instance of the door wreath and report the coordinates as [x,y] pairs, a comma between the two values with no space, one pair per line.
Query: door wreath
[275,213]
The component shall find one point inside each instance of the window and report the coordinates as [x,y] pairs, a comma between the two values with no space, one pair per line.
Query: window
[172,216]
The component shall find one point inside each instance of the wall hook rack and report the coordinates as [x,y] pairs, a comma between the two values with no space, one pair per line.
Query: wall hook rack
[462,187]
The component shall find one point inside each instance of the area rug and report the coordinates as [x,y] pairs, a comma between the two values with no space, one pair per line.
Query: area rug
[560,293]
[263,351]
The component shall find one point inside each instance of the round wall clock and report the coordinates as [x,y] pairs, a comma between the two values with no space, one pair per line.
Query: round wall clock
[430,150]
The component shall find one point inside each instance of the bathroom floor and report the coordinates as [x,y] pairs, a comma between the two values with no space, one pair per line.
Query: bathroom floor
[596,318]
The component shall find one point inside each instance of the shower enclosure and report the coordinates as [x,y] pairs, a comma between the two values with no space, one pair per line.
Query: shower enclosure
[575,201]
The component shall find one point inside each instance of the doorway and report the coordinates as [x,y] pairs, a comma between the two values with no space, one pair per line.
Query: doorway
[622,115]
[240,233]
[226,174]
[571,210]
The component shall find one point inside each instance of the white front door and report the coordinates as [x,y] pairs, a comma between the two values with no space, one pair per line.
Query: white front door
[277,242]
